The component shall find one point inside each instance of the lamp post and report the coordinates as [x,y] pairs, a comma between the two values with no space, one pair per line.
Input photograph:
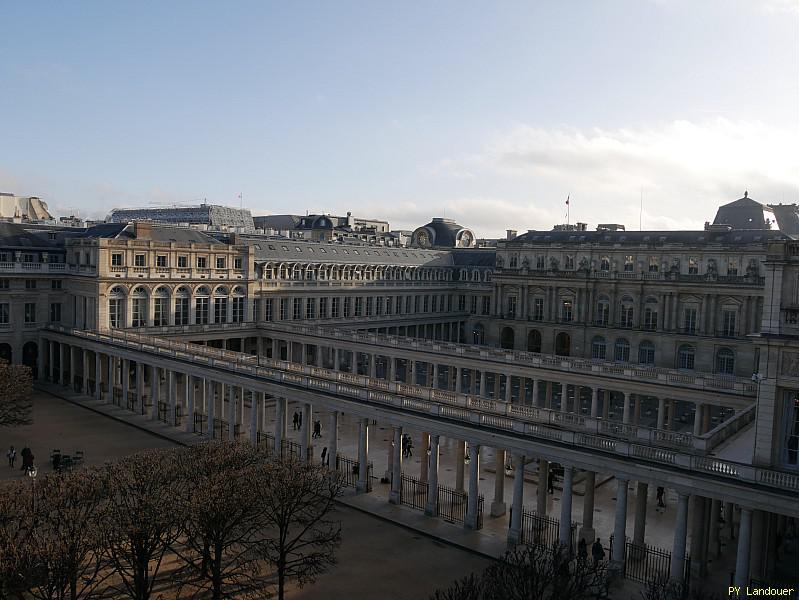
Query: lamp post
[32,472]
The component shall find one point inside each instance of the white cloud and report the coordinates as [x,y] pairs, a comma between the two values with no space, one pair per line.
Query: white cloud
[684,169]
[780,6]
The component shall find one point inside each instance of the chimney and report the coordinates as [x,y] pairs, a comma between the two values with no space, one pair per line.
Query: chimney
[511,234]
[143,230]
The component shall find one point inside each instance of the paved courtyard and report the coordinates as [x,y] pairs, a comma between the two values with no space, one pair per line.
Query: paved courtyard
[377,559]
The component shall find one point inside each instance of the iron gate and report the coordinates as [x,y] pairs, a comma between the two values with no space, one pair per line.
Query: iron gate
[543,530]
[350,471]
[452,504]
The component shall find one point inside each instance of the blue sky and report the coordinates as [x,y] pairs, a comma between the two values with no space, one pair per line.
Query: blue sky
[490,113]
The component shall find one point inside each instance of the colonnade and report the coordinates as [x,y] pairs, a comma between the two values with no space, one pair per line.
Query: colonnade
[216,408]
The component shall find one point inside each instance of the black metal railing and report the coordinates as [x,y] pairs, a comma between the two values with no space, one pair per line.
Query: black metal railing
[543,530]
[350,470]
[643,563]
[200,423]
[452,505]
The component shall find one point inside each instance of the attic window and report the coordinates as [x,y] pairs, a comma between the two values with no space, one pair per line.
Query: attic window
[662,238]
[701,238]
[737,238]
[355,252]
[646,238]
[758,238]
[271,247]
[607,238]
[285,248]
[298,249]
[322,250]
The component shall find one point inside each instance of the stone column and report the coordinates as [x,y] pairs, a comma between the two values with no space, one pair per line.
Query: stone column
[363,457]
[460,456]
[458,380]
[534,399]
[189,425]
[482,384]
[73,371]
[125,382]
[233,411]
[595,403]
[392,369]
[680,536]
[394,496]
[61,363]
[517,510]
[332,443]
[211,401]
[714,550]
[254,402]
[699,536]
[741,578]
[474,487]
[498,505]
[661,413]
[280,424]
[626,410]
[564,535]
[639,532]
[51,360]
[139,387]
[620,526]
[305,432]
[564,397]
[587,530]
[373,365]
[431,510]
[173,396]
[424,466]
[155,390]
[98,377]
[111,379]
[543,475]
[508,387]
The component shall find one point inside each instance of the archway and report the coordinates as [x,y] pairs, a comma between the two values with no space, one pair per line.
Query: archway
[563,344]
[506,338]
[478,334]
[534,341]
[6,353]
[30,357]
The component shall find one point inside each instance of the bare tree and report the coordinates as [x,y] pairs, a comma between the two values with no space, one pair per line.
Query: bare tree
[63,545]
[222,520]
[141,520]
[536,572]
[16,388]
[13,531]
[664,588]
[296,501]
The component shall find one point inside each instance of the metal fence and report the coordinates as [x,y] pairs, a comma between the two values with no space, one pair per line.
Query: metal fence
[543,530]
[643,563]
[350,470]
[200,423]
[452,504]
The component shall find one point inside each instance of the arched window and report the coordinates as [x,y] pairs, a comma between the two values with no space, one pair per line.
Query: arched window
[646,353]
[604,264]
[622,350]
[685,357]
[627,312]
[602,316]
[534,341]
[182,299]
[566,305]
[598,348]
[202,299]
[139,307]
[116,307]
[725,361]
[478,334]
[563,344]
[161,307]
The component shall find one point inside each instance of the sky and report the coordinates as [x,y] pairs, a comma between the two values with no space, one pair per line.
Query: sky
[491,113]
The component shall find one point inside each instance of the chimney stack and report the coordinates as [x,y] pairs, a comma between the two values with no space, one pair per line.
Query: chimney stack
[511,234]
[143,230]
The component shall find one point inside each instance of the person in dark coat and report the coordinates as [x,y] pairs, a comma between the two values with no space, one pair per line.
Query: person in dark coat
[597,552]
[296,420]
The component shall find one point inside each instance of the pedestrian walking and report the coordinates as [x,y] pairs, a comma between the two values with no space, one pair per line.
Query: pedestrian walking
[660,493]
[317,429]
[12,456]
[597,552]
[299,420]
[324,456]
[296,420]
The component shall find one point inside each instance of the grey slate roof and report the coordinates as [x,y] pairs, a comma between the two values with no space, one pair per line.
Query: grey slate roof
[160,233]
[14,235]
[303,251]
[652,238]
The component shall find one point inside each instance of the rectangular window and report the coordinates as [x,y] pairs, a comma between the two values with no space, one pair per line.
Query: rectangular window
[284,309]
[30,284]
[538,309]
[181,311]
[202,262]
[139,312]
[161,312]
[201,311]
[654,264]
[370,306]
[323,308]
[626,316]
[220,262]
[160,261]
[435,304]
[237,263]
[650,319]
[269,310]
[408,302]
[388,305]
[238,309]
[310,308]
[693,266]
[4,284]
[569,263]
[56,284]
[629,264]
[335,307]
[140,260]
[358,306]
[539,262]
[417,303]
[220,310]
[474,305]
[183,262]
[728,322]
[4,313]
[792,427]
[426,303]
[30,312]
[486,305]
[566,311]
[297,312]
[689,320]
[732,267]
[511,307]
[116,259]
[115,306]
